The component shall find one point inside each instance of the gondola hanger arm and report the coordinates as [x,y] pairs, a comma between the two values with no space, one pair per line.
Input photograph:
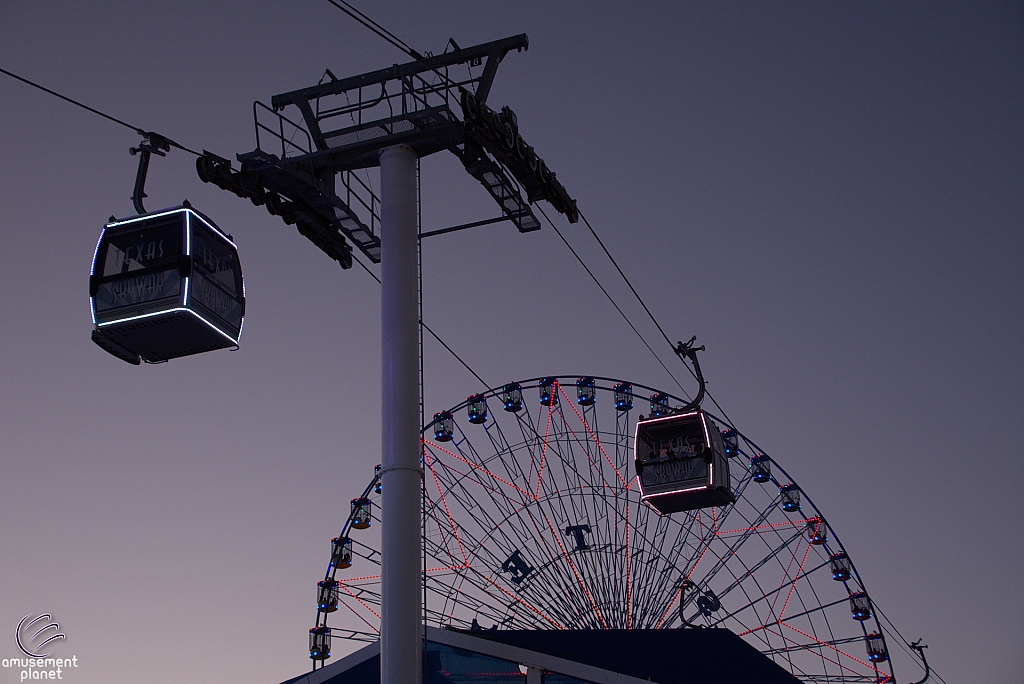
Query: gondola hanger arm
[152,143]
[920,652]
[687,351]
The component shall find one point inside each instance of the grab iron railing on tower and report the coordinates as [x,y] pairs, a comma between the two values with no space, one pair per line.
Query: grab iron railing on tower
[286,141]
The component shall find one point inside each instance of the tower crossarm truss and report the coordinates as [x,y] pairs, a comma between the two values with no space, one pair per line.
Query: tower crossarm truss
[306,164]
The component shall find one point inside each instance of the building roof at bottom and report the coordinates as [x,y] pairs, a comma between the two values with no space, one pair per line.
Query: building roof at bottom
[671,656]
[666,656]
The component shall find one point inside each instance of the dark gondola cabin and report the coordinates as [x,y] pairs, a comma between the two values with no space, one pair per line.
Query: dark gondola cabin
[164,285]
[320,643]
[681,463]
[623,394]
[476,409]
[327,596]
[341,553]
[512,397]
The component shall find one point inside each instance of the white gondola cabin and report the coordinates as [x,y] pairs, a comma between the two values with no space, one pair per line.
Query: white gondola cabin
[164,285]
[681,463]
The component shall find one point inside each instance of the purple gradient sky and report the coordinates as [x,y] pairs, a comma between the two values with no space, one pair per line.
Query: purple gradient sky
[829,197]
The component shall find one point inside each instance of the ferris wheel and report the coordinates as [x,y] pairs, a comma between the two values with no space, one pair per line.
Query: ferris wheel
[537,516]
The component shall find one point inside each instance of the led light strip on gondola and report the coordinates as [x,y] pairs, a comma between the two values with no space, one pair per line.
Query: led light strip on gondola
[170,311]
[188,214]
[646,500]
[188,210]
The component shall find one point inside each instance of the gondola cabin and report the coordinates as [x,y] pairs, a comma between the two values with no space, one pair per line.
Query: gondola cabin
[681,463]
[164,285]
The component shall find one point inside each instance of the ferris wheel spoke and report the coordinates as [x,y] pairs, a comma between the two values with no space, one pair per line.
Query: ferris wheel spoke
[448,515]
[569,607]
[456,590]
[365,600]
[496,525]
[439,548]
[750,573]
[792,647]
[754,599]
[484,463]
[567,585]
[575,572]
[738,493]
[526,539]
[473,601]
[763,597]
[834,648]
[668,573]
[817,611]
[563,449]
[773,640]
[596,441]
[365,552]
[579,519]
[603,592]
[493,528]
[828,654]
[731,548]
[467,540]
[476,601]
[545,443]
[787,581]
[664,570]
[481,469]
[353,635]
[586,575]
[699,549]
[500,445]
[787,655]
[519,601]
[532,440]
[812,624]
[622,440]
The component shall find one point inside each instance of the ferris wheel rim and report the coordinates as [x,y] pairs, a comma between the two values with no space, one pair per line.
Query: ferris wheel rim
[834,543]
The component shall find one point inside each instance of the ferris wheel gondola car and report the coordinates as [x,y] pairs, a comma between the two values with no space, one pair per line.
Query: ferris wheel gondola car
[681,463]
[164,285]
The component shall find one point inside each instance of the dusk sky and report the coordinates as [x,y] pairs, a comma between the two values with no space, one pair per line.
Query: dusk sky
[829,197]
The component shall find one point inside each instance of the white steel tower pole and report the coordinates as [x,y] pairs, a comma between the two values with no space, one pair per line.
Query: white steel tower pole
[401,619]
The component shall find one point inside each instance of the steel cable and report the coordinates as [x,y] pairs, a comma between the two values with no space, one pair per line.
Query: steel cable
[94,111]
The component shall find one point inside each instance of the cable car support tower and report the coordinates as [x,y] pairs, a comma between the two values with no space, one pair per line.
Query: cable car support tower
[305,172]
